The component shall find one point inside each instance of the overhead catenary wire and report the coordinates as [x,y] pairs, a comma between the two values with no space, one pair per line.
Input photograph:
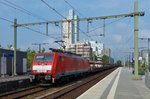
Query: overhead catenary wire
[6,20]
[62,16]
[81,15]
[105,25]
[13,7]
[97,27]
[16,7]
[28,28]
[53,9]
[97,35]
[73,8]
[40,32]
[21,9]
[31,13]
[126,42]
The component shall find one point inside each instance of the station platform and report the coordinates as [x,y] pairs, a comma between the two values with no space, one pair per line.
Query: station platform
[13,78]
[118,85]
[11,83]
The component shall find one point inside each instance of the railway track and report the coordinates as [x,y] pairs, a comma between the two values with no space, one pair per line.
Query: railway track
[77,89]
[70,90]
[22,93]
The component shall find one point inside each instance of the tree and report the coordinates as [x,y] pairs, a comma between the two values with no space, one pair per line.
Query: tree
[142,69]
[30,56]
[9,46]
[105,59]
[43,50]
[94,57]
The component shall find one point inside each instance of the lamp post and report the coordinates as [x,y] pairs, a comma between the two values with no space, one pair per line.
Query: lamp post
[136,75]
[15,46]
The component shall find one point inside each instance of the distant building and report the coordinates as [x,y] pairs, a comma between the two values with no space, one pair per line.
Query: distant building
[76,29]
[71,30]
[87,49]
[81,48]
[107,51]
[100,48]
[93,45]
[97,47]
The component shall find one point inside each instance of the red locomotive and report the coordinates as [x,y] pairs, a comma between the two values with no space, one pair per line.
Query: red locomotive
[55,66]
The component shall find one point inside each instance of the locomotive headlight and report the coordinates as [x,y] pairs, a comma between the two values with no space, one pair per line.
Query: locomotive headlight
[32,76]
[48,77]
[34,71]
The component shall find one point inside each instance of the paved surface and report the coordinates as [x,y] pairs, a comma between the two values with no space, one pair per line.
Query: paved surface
[10,78]
[118,85]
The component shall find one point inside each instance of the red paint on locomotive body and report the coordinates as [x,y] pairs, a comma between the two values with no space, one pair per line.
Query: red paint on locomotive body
[54,65]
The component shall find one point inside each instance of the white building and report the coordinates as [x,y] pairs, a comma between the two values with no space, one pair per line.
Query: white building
[76,29]
[97,48]
[100,48]
[71,30]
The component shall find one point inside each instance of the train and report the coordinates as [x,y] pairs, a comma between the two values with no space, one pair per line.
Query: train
[55,66]
[58,66]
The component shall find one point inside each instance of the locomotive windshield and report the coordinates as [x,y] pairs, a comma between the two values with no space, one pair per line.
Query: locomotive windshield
[44,58]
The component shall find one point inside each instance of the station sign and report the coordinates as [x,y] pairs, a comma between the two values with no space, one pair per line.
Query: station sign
[8,55]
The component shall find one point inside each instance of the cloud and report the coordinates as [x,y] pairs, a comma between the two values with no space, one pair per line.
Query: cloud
[144,33]
[97,5]
[117,38]
[124,26]
[118,34]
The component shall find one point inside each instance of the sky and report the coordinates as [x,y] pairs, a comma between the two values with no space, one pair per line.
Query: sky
[119,33]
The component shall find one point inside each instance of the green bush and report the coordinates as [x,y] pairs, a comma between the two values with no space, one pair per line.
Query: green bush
[142,69]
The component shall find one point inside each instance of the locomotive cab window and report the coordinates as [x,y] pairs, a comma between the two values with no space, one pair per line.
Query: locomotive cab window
[44,57]
[48,57]
[39,57]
